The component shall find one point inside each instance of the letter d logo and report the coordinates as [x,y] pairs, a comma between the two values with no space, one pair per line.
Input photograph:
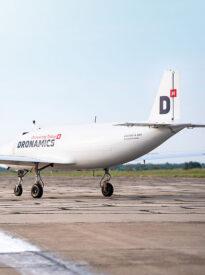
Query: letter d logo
[164,105]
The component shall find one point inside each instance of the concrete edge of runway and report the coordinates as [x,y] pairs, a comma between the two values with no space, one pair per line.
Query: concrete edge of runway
[27,258]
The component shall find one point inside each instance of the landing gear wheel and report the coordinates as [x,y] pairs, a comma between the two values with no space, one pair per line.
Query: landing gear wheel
[107,189]
[37,191]
[18,190]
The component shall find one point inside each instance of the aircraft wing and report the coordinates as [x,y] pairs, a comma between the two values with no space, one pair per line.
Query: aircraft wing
[30,161]
[162,125]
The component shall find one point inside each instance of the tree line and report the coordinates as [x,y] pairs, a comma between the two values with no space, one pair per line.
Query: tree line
[150,166]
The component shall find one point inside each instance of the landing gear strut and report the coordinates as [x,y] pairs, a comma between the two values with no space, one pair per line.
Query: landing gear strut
[37,188]
[18,189]
[106,187]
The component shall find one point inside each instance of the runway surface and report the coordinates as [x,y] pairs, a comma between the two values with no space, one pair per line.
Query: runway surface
[149,226]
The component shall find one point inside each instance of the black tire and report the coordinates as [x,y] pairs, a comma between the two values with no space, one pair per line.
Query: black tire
[37,191]
[18,190]
[107,189]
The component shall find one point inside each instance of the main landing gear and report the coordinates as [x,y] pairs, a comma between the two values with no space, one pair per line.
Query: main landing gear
[18,189]
[106,187]
[37,188]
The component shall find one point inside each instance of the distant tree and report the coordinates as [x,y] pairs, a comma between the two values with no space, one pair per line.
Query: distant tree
[151,166]
[192,165]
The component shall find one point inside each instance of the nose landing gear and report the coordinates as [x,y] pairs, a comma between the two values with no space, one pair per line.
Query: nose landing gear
[106,187]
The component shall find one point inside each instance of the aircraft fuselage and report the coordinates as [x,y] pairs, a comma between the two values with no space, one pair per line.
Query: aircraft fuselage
[89,146]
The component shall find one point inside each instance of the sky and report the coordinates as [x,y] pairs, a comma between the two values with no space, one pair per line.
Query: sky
[64,62]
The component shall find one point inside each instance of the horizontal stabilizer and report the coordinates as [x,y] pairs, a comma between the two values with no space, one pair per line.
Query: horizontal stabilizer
[161,156]
[162,125]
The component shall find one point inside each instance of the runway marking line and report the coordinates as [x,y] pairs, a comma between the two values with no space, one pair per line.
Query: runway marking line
[27,259]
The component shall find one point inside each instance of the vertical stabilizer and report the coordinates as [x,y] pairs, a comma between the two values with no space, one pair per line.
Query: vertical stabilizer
[166,108]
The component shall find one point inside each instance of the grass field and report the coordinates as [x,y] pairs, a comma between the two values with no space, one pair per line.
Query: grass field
[181,173]
[192,173]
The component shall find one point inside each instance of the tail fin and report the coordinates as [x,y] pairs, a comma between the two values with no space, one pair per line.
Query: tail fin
[166,108]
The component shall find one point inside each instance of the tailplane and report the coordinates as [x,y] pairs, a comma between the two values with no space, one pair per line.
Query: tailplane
[166,108]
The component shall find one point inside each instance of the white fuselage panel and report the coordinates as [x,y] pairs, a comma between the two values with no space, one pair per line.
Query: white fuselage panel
[89,146]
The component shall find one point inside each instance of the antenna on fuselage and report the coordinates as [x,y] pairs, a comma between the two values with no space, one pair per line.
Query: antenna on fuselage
[35,125]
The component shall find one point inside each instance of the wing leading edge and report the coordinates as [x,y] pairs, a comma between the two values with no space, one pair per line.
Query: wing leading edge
[30,161]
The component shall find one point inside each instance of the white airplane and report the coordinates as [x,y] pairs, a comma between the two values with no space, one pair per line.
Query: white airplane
[95,145]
